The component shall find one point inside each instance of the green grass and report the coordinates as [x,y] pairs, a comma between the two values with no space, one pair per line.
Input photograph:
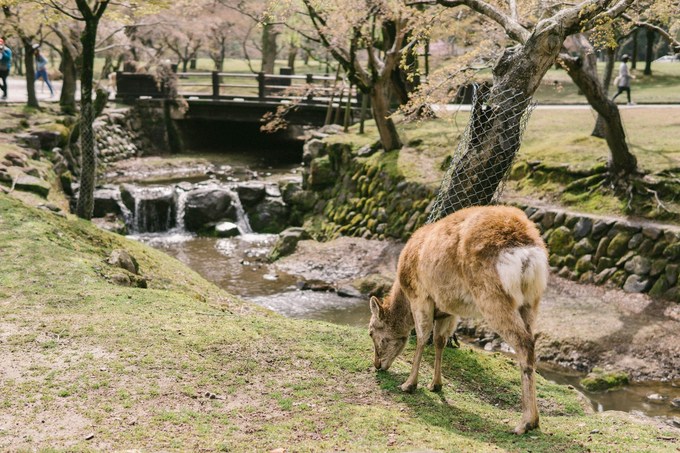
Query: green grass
[132,367]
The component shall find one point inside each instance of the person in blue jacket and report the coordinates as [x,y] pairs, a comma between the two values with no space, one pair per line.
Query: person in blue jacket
[41,70]
[5,66]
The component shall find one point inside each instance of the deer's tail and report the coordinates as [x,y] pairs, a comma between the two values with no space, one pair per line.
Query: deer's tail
[523,273]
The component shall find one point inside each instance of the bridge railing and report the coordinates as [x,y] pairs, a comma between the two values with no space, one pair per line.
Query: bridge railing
[307,88]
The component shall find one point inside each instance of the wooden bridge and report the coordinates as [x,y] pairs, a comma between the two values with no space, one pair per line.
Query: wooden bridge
[308,99]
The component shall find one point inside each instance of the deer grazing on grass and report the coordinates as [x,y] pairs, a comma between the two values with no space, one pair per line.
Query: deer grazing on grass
[482,260]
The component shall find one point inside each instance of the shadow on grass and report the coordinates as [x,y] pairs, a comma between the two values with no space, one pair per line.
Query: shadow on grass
[467,376]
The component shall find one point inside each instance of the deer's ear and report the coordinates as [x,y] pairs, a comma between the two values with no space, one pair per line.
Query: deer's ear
[376,308]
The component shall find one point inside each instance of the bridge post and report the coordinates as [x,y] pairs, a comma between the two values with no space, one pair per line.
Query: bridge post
[260,85]
[309,81]
[215,85]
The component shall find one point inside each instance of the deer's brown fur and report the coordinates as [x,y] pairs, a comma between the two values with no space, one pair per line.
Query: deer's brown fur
[482,260]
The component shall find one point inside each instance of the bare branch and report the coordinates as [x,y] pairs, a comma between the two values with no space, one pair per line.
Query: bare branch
[674,43]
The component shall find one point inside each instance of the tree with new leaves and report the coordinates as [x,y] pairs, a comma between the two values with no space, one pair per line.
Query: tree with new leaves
[517,73]
[89,13]
[353,28]
[26,20]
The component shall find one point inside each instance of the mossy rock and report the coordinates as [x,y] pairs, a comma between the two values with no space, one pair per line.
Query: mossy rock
[660,287]
[585,264]
[321,172]
[600,380]
[561,241]
[618,278]
[618,245]
[672,252]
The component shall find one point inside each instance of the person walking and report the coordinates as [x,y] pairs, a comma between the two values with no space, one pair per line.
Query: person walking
[41,70]
[623,80]
[5,66]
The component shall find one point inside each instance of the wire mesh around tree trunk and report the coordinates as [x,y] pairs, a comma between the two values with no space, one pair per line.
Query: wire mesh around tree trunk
[484,156]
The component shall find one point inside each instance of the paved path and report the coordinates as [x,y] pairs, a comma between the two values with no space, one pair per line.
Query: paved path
[17,91]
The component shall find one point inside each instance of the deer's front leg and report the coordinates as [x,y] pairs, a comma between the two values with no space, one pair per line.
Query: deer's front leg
[443,327]
[423,318]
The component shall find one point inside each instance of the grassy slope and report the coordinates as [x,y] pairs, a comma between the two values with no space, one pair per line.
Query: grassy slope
[131,366]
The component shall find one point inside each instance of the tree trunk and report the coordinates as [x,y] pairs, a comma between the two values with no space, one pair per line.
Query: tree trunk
[19,66]
[389,137]
[649,56]
[67,100]
[30,74]
[599,130]
[269,50]
[185,64]
[621,161]
[634,53]
[292,55]
[88,157]
[496,124]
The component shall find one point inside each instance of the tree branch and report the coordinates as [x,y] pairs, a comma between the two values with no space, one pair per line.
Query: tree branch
[513,28]
[674,43]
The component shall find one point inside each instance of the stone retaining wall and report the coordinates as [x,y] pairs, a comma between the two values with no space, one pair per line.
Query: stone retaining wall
[361,193]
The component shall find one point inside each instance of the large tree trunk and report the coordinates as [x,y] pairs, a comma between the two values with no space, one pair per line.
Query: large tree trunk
[67,100]
[610,52]
[621,162]
[496,123]
[88,157]
[30,74]
[389,137]
[649,55]
[269,50]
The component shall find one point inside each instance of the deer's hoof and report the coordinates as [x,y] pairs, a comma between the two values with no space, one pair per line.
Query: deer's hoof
[408,388]
[525,427]
[435,387]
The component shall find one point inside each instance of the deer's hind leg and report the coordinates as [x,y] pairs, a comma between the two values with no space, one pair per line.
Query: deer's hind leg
[443,328]
[423,317]
[513,323]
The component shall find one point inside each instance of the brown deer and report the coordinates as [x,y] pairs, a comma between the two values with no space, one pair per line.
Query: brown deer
[482,260]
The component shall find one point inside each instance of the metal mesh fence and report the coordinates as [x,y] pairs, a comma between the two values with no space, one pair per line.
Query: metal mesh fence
[484,156]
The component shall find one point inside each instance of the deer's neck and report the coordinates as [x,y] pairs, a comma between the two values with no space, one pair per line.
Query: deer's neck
[398,311]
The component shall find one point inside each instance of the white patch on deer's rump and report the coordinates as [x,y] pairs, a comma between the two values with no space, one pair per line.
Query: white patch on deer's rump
[523,272]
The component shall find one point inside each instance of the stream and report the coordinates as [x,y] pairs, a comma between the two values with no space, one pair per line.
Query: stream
[239,264]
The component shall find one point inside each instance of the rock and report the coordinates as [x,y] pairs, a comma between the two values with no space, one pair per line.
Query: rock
[548,220]
[635,284]
[48,139]
[121,258]
[583,247]
[311,150]
[29,183]
[584,264]
[655,398]
[272,190]
[226,230]
[635,241]
[321,173]
[618,278]
[28,140]
[250,193]
[107,200]
[16,159]
[600,228]
[618,245]
[659,287]
[658,267]
[598,380]
[638,265]
[604,275]
[287,242]
[288,189]
[348,291]
[204,206]
[561,241]
[582,227]
[604,263]
[672,274]
[121,280]
[672,252]
[675,402]
[305,200]
[651,232]
[366,150]
[269,216]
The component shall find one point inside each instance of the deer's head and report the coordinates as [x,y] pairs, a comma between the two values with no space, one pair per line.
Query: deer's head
[388,342]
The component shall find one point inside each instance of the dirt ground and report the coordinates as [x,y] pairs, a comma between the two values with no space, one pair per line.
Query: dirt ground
[579,326]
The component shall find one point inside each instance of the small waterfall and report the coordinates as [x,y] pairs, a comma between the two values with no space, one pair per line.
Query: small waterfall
[151,209]
[241,216]
[180,207]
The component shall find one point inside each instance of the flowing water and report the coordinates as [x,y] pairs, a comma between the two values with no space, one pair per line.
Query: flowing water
[240,265]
